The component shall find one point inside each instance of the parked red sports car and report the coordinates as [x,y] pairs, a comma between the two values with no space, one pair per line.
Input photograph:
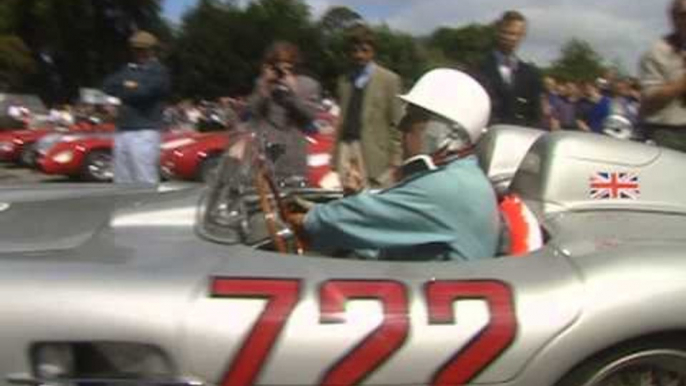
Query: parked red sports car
[18,145]
[12,143]
[89,157]
[195,160]
[198,159]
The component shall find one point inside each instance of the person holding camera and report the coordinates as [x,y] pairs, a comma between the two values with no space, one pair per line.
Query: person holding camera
[283,106]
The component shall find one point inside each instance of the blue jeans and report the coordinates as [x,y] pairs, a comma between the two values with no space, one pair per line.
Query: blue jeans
[137,156]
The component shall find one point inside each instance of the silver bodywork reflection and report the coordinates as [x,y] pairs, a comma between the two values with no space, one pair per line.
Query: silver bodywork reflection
[128,272]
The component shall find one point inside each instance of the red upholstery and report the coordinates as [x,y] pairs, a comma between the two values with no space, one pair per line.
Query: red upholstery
[524,229]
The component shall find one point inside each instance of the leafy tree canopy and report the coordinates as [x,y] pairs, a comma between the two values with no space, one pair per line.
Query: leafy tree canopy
[15,62]
[577,61]
[464,46]
[217,48]
[338,19]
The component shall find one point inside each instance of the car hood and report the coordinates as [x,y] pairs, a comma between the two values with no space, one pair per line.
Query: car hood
[39,219]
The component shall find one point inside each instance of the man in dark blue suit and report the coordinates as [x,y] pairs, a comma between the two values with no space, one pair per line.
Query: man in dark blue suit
[515,87]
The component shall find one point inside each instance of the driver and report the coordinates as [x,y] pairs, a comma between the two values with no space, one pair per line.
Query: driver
[444,207]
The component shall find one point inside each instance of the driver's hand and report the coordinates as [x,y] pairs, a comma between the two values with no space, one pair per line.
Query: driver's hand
[353,181]
[301,205]
[297,220]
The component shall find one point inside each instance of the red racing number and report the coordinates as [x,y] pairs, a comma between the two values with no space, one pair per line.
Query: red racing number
[380,344]
[489,343]
[282,297]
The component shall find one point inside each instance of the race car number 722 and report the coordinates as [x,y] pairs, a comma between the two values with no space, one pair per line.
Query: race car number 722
[378,346]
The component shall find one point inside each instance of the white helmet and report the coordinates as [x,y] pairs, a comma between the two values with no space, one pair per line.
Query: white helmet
[455,96]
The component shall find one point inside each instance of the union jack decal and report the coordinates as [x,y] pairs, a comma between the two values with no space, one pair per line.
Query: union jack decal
[608,186]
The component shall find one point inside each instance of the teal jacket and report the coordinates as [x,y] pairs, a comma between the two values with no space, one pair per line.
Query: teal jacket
[449,213]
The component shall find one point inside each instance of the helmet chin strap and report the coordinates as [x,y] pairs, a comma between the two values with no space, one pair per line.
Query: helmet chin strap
[445,155]
[423,162]
[442,143]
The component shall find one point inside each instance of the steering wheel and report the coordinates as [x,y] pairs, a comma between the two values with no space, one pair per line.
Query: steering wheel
[277,215]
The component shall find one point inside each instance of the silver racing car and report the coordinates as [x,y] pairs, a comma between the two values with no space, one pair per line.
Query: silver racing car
[191,286]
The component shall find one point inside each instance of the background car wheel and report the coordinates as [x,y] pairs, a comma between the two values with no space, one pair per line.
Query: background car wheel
[650,362]
[98,166]
[208,168]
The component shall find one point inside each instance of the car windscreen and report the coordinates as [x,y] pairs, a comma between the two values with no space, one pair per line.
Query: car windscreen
[225,206]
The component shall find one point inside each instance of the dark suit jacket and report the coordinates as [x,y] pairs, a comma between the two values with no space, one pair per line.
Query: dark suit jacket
[518,104]
[141,107]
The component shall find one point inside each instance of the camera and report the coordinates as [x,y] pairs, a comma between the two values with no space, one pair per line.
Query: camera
[280,92]
[279,89]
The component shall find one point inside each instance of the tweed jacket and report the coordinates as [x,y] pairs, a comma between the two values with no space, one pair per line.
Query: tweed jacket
[381,112]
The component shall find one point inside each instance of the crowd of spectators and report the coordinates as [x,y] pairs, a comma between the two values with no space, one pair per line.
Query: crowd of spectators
[206,115]
[369,143]
[585,106]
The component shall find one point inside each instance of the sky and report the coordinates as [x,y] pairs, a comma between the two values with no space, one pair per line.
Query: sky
[617,29]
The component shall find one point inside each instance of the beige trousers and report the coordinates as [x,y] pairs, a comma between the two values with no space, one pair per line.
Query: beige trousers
[352,170]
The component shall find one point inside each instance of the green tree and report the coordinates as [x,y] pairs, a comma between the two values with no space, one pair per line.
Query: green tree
[577,61]
[220,46]
[16,63]
[280,19]
[331,60]
[401,53]
[338,19]
[214,55]
[8,16]
[76,42]
[464,46]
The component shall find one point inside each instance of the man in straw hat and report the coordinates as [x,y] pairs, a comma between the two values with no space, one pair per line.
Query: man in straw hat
[141,86]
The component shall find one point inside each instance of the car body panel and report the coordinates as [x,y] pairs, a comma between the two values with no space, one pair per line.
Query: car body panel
[96,256]
[544,308]
[556,176]
[78,147]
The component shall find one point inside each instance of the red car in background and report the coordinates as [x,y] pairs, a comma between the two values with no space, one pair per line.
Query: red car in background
[319,149]
[18,145]
[196,161]
[89,157]
[12,143]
